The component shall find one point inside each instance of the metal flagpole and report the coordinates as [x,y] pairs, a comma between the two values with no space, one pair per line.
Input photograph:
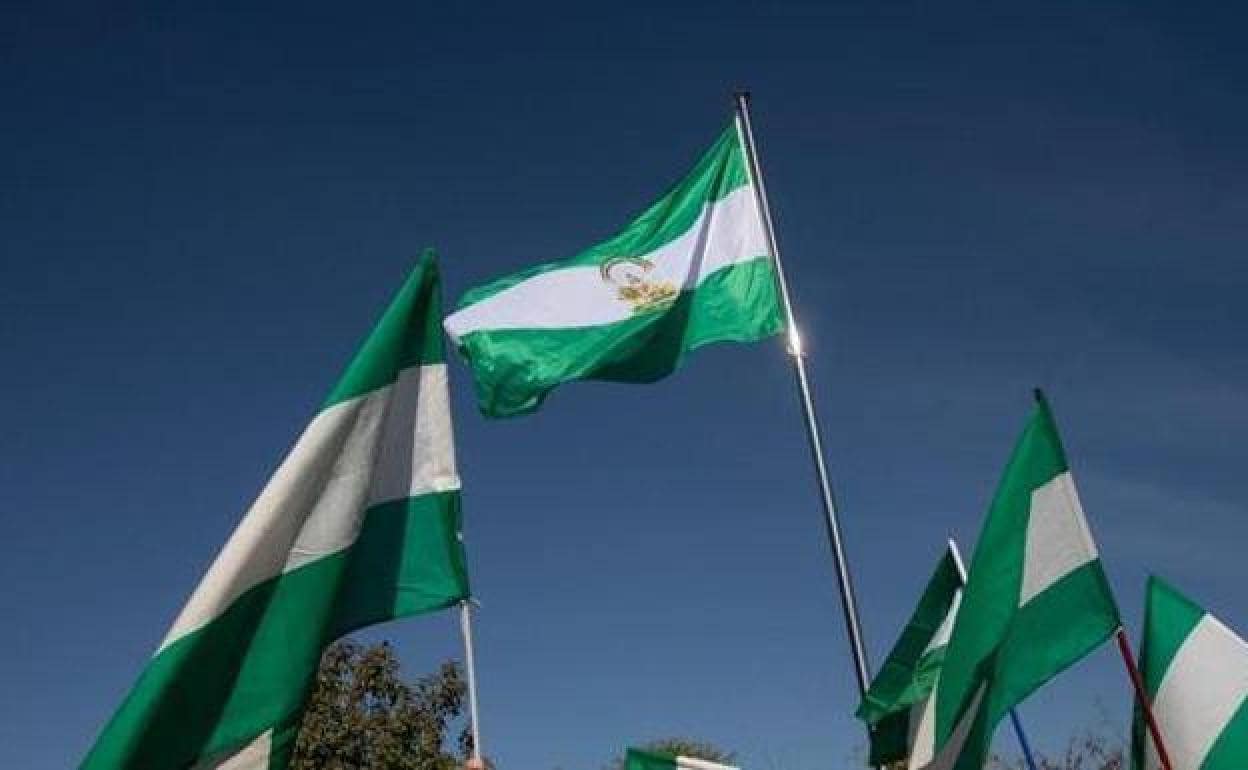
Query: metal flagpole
[465,625]
[844,580]
[1014,720]
[1141,696]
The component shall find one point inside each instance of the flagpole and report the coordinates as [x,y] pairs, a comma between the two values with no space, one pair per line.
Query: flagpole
[1141,697]
[844,579]
[465,626]
[1014,720]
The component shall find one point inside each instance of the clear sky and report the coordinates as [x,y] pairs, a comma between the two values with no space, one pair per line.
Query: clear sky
[205,206]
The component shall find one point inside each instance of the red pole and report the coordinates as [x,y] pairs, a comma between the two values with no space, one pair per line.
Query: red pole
[1141,697]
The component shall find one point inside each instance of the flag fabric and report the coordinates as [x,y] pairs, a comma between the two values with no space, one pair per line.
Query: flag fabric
[692,269]
[653,760]
[359,524]
[1036,599]
[898,707]
[1195,671]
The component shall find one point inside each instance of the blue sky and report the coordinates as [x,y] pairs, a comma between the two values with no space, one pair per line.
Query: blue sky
[205,206]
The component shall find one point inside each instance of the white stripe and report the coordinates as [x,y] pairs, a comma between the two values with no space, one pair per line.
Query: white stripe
[923,714]
[384,445]
[941,637]
[417,452]
[1203,687]
[253,756]
[1058,539]
[952,750]
[922,732]
[701,764]
[726,232]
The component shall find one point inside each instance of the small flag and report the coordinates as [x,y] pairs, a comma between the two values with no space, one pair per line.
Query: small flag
[1036,599]
[651,760]
[1195,670]
[693,269]
[898,707]
[359,524]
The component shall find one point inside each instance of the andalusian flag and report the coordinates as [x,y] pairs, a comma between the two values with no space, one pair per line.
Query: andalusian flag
[359,524]
[1196,672]
[1035,602]
[652,760]
[898,708]
[692,269]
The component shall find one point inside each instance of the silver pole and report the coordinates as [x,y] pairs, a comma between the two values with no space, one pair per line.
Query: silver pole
[957,561]
[465,625]
[844,580]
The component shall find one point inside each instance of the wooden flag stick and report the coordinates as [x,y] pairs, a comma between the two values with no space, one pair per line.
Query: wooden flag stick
[1141,697]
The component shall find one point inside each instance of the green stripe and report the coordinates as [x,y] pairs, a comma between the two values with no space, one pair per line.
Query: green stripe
[1051,632]
[1169,618]
[720,171]
[649,760]
[516,368]
[427,573]
[1230,750]
[250,668]
[408,334]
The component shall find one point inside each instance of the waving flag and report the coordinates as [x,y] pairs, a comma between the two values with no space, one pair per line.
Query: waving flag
[693,269]
[1196,673]
[1035,602]
[898,707]
[359,524]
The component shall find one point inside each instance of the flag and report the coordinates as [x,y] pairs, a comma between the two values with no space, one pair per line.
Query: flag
[1195,671]
[1036,599]
[692,269]
[652,760]
[359,524]
[898,707]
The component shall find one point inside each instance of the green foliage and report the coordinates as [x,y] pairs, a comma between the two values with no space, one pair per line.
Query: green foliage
[363,716]
[686,747]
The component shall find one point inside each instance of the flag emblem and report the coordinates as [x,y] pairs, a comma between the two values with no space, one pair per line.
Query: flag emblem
[628,276]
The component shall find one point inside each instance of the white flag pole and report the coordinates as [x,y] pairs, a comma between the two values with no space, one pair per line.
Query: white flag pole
[844,580]
[465,625]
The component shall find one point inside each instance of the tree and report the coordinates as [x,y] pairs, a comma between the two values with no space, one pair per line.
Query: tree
[363,716]
[685,747]
[1091,751]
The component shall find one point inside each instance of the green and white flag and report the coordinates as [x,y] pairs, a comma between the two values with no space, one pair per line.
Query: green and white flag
[693,269]
[359,524]
[653,760]
[1195,670]
[898,708]
[1036,599]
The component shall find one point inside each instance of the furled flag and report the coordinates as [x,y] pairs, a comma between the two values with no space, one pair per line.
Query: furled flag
[1195,670]
[653,760]
[1036,599]
[693,269]
[898,708]
[359,524]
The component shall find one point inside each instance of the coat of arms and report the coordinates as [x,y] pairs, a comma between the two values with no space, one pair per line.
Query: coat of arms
[632,285]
